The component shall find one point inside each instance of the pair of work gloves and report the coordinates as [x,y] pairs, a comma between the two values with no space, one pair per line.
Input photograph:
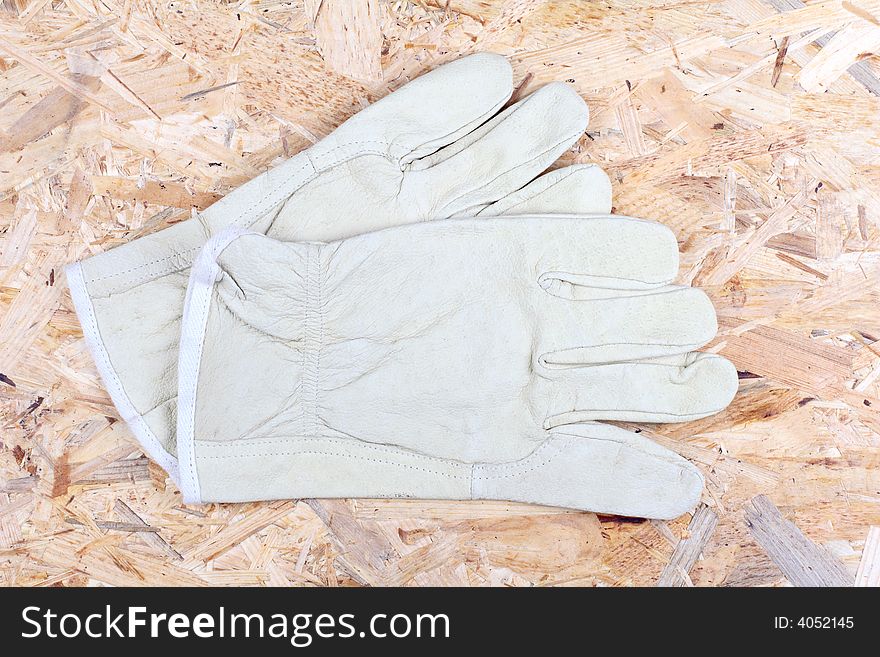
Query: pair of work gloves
[409,309]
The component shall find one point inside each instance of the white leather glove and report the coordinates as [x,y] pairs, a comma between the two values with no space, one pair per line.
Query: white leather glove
[436,148]
[454,359]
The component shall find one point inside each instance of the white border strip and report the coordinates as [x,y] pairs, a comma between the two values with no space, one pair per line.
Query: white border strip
[139,427]
[199,292]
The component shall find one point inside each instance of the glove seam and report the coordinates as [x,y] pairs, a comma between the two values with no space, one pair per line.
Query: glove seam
[526,199]
[520,466]
[655,289]
[504,470]
[642,362]
[361,443]
[689,345]
[200,292]
[207,444]
[632,413]
[359,459]
[313,333]
[489,183]
[491,471]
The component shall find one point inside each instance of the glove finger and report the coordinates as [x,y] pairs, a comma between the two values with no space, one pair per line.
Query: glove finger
[578,189]
[671,389]
[600,468]
[584,254]
[502,155]
[667,321]
[430,112]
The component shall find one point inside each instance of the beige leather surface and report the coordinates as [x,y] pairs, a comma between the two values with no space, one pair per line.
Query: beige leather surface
[440,146]
[461,358]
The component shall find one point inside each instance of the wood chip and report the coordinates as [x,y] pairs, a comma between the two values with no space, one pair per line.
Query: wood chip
[688,550]
[802,562]
[869,566]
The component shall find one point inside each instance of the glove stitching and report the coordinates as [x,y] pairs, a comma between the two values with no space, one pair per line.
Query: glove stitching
[257,209]
[303,355]
[493,471]
[312,346]
[319,309]
[361,443]
[521,466]
[187,252]
[359,459]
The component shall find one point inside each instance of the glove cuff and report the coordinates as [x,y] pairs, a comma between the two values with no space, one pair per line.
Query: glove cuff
[82,302]
[203,276]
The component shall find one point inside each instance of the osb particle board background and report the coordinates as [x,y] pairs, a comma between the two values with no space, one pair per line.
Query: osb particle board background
[748,126]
